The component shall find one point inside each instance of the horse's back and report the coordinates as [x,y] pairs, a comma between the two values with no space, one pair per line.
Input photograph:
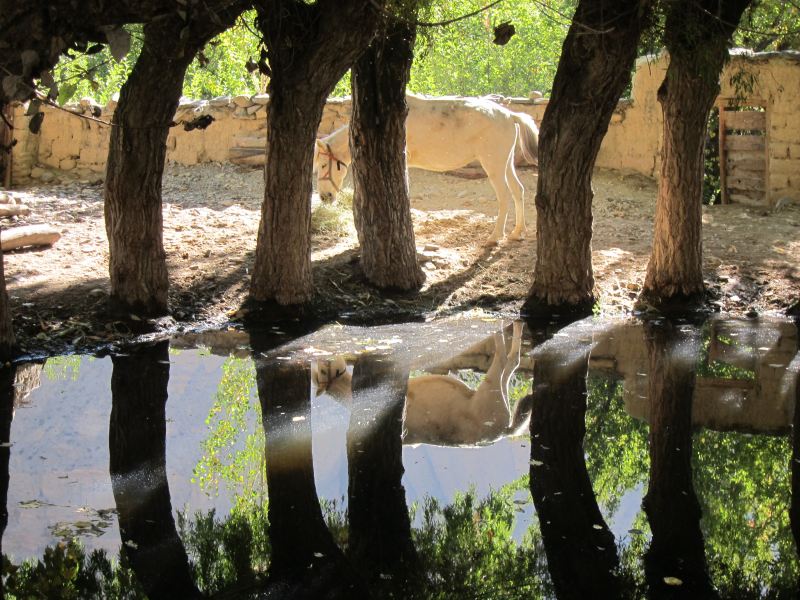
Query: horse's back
[448,132]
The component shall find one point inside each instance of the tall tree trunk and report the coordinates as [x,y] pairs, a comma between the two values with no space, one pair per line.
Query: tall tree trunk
[138,465]
[697,36]
[305,561]
[581,551]
[381,205]
[593,71]
[8,340]
[7,379]
[136,157]
[676,551]
[379,525]
[310,47]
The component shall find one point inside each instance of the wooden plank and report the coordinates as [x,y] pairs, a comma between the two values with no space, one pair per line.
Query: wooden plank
[745,119]
[751,163]
[747,185]
[751,198]
[745,142]
[723,143]
[244,152]
[742,172]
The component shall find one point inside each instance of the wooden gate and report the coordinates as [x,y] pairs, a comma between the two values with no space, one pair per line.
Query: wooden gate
[743,152]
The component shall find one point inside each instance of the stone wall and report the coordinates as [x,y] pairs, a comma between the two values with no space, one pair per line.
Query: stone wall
[78,146]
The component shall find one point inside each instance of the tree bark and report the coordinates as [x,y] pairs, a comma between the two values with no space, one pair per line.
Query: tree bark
[673,511]
[138,465]
[8,341]
[697,36]
[136,157]
[581,551]
[381,205]
[310,47]
[379,526]
[592,73]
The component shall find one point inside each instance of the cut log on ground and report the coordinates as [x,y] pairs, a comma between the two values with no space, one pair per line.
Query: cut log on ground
[13,210]
[28,235]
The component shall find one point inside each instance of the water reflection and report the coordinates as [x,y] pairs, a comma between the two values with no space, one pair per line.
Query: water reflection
[581,553]
[656,464]
[675,561]
[138,466]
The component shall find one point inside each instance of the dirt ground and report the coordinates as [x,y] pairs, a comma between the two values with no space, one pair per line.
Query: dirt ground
[211,214]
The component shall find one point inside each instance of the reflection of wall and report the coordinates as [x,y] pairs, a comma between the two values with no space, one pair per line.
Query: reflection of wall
[632,142]
[765,347]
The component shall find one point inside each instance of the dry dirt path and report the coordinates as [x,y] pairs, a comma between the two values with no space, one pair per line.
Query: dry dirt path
[211,216]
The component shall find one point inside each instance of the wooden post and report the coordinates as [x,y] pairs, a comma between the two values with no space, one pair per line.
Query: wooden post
[723,159]
[8,137]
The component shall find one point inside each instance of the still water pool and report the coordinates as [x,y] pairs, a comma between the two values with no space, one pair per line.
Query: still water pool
[467,458]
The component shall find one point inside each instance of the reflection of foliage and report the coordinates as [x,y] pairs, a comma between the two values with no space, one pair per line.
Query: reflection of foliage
[742,482]
[468,551]
[228,460]
[615,443]
[65,572]
[224,554]
[719,369]
[63,368]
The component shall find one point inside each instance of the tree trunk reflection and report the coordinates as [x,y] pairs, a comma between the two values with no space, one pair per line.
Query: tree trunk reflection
[7,376]
[380,528]
[305,560]
[581,553]
[137,448]
[675,563]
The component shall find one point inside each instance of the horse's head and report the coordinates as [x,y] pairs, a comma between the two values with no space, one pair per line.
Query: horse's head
[330,171]
[331,376]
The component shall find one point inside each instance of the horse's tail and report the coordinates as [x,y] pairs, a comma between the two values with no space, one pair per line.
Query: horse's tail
[528,139]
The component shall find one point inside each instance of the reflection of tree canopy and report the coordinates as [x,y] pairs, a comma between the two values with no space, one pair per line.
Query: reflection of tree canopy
[229,460]
[742,482]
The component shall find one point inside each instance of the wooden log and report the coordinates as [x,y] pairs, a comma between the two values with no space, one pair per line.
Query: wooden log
[745,119]
[28,235]
[749,198]
[13,210]
[745,142]
[254,160]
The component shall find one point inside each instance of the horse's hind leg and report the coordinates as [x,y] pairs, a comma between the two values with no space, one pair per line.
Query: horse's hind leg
[497,178]
[518,193]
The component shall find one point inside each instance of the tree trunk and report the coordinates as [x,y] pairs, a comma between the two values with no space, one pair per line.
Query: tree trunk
[581,551]
[379,525]
[136,157]
[673,511]
[593,71]
[381,205]
[138,465]
[8,342]
[697,36]
[304,556]
[310,47]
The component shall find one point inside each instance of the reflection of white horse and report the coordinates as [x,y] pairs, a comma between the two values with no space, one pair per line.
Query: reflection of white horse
[441,409]
[447,133]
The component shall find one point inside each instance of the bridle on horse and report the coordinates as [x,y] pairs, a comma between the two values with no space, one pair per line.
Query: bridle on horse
[331,158]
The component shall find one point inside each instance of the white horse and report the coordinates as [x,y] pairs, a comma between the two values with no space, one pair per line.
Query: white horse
[447,133]
[443,410]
